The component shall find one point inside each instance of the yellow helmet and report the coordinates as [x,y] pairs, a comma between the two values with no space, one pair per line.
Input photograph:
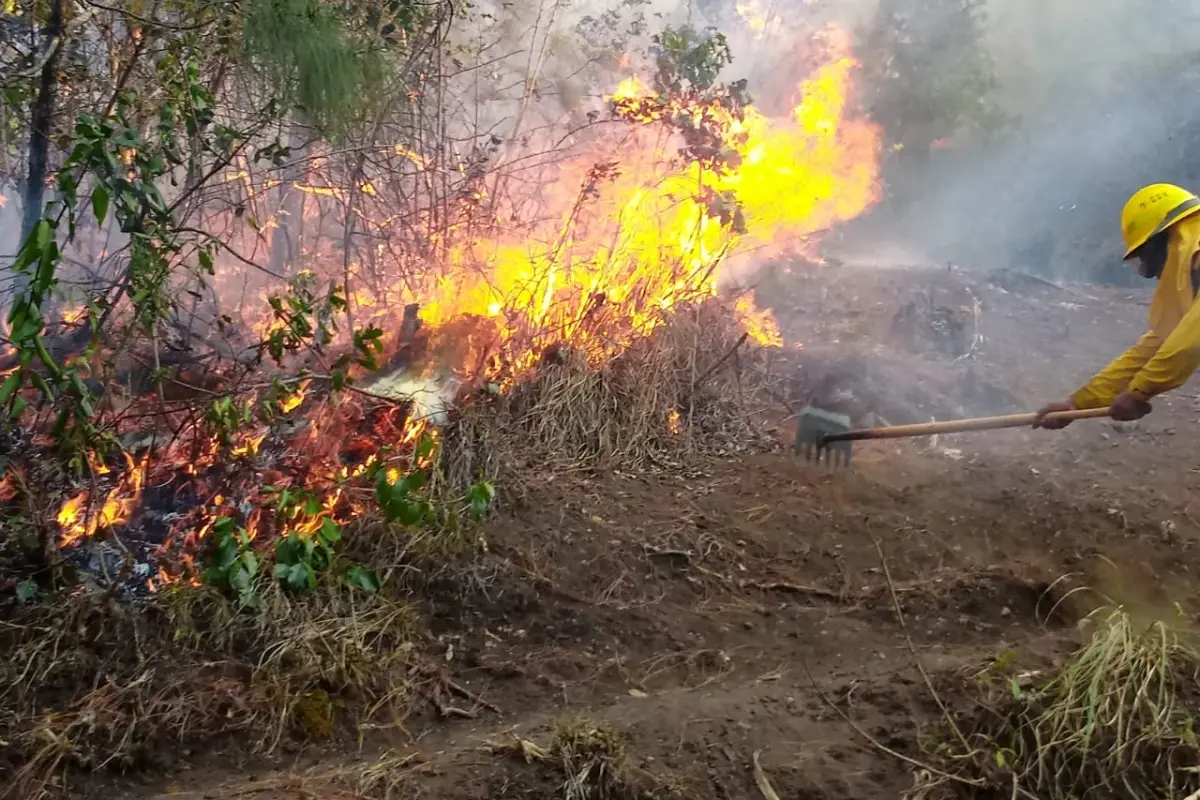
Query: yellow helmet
[1152,210]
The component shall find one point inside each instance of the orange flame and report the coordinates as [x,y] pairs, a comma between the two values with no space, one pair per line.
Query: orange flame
[632,230]
[646,240]
[76,520]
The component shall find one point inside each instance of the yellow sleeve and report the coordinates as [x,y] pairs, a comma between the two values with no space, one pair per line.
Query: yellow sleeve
[1109,382]
[1175,360]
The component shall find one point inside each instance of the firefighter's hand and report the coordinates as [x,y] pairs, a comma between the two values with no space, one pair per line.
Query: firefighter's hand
[1050,408]
[1128,407]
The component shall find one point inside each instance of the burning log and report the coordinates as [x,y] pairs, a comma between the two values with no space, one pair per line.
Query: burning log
[408,346]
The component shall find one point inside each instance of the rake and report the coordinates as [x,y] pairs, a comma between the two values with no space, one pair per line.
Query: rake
[826,435]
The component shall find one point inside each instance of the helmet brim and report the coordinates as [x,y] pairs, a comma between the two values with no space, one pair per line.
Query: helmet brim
[1177,214]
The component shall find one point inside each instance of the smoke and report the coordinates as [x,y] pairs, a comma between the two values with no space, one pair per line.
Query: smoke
[1098,97]
[545,65]
[1092,99]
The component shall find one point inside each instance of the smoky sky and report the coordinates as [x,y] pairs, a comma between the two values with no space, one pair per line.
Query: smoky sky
[1102,97]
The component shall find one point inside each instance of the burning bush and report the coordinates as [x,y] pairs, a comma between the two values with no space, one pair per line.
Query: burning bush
[580,327]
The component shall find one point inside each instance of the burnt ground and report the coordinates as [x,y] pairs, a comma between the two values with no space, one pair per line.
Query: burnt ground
[733,607]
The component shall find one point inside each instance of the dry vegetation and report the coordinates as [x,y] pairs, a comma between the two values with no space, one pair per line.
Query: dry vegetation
[1116,719]
[302,667]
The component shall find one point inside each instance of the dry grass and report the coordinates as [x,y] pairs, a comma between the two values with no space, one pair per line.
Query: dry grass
[683,387]
[90,684]
[590,762]
[1117,719]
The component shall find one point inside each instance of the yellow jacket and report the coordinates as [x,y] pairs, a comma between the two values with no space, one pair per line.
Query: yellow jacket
[1166,355]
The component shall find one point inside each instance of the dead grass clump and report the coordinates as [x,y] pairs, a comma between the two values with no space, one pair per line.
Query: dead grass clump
[1118,719]
[591,762]
[682,387]
[88,683]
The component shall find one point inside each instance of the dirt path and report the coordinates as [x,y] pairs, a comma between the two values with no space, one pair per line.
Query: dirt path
[741,607]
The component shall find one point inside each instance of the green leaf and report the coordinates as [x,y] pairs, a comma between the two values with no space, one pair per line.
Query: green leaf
[26,590]
[362,578]
[10,385]
[411,512]
[100,204]
[298,576]
[312,506]
[414,480]
[240,579]
[206,261]
[287,550]
[77,384]
[331,532]
[481,496]
[383,489]
[248,598]
[424,448]
[42,235]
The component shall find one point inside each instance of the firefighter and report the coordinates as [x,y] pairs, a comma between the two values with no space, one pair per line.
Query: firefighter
[1162,235]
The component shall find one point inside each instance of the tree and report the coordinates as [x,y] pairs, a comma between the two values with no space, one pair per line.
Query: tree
[926,77]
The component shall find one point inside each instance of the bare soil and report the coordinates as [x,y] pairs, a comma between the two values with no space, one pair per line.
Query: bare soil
[724,608]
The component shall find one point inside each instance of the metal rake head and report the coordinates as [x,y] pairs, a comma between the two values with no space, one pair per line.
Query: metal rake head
[812,432]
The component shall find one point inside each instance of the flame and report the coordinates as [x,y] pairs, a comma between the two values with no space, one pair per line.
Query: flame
[628,229]
[295,399]
[76,520]
[73,315]
[645,235]
[249,445]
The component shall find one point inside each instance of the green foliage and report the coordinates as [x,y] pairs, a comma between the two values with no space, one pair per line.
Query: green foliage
[927,75]
[313,58]
[688,60]
[310,542]
[303,317]
[311,539]
[60,385]
[400,500]
[298,558]
[481,496]
[226,416]
[689,99]
[233,565]
[122,167]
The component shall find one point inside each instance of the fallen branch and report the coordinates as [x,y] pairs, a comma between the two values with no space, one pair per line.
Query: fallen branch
[720,362]
[760,778]
[792,588]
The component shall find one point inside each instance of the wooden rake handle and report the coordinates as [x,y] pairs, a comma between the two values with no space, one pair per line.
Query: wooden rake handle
[960,425]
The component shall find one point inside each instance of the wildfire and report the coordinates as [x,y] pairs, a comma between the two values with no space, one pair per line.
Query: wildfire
[638,228]
[77,520]
[626,231]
